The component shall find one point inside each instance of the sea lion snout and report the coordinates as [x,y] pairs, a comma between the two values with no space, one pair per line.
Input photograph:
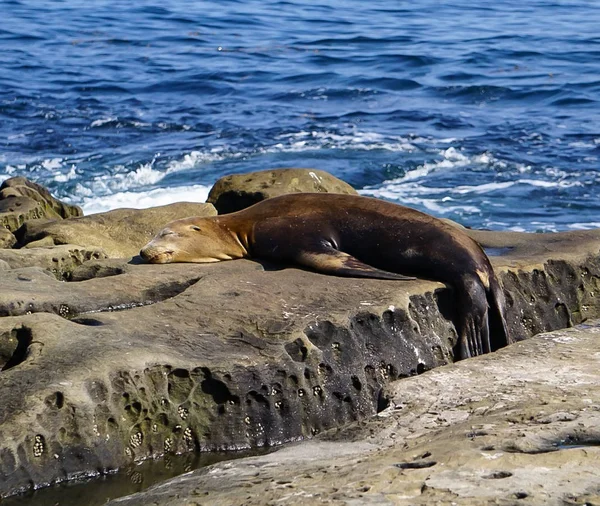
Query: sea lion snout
[156,254]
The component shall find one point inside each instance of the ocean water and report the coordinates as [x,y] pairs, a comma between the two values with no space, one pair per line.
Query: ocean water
[487,113]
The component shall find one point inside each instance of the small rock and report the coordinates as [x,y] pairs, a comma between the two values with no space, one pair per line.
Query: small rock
[22,200]
[238,191]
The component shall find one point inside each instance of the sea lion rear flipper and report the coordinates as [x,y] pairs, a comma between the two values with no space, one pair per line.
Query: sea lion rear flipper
[474,330]
[333,261]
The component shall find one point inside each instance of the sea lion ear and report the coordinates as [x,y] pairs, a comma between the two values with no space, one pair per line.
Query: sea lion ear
[196,228]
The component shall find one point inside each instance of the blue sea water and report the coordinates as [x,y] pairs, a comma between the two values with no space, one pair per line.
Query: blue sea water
[487,113]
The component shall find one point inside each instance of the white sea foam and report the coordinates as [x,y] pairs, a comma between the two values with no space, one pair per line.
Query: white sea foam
[63,178]
[482,188]
[145,174]
[451,158]
[584,145]
[121,182]
[194,158]
[20,135]
[113,183]
[585,226]
[311,140]
[408,189]
[52,163]
[561,183]
[103,121]
[140,200]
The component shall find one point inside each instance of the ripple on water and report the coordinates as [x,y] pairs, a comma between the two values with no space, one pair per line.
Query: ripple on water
[137,98]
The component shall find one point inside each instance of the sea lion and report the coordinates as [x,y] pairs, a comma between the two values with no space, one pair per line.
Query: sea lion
[350,235]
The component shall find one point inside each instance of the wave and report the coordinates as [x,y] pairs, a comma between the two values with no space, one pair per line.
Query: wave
[307,140]
[140,200]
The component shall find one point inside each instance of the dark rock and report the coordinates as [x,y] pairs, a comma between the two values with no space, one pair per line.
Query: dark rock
[119,233]
[135,361]
[238,191]
[22,200]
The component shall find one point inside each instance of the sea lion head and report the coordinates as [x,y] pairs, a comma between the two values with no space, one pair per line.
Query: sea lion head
[197,240]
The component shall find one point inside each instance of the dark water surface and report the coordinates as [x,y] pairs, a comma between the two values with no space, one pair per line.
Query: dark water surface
[484,112]
[97,491]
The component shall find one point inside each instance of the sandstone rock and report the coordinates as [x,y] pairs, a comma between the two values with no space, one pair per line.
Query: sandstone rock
[34,290]
[120,233]
[7,239]
[155,359]
[238,191]
[59,260]
[22,200]
[520,426]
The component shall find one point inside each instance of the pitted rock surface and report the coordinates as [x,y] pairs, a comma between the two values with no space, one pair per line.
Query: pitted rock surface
[35,290]
[136,361]
[238,191]
[520,426]
[212,367]
[61,261]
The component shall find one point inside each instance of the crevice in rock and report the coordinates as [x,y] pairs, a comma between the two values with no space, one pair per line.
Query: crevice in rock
[218,390]
[95,271]
[153,295]
[22,337]
[571,442]
[497,475]
[165,291]
[418,464]
[383,401]
[498,252]
[88,322]
[297,350]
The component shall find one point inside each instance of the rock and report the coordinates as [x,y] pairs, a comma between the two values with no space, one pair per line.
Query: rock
[60,260]
[149,360]
[520,426]
[238,191]
[22,200]
[119,233]
[35,290]
[7,239]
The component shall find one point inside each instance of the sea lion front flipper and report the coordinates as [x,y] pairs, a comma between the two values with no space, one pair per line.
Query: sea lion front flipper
[333,261]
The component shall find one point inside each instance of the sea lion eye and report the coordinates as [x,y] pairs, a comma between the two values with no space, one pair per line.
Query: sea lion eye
[196,228]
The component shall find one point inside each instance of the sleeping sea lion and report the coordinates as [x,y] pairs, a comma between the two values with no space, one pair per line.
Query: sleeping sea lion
[350,235]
